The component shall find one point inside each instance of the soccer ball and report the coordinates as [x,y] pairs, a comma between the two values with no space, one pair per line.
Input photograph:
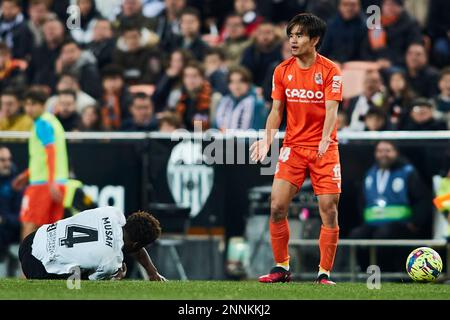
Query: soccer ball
[424,264]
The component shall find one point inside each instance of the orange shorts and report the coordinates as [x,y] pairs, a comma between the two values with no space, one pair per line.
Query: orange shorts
[38,206]
[325,172]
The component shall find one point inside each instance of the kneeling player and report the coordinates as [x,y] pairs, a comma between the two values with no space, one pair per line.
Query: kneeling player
[93,241]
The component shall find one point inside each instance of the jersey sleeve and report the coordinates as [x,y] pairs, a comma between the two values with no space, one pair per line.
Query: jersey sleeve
[106,271]
[333,85]
[118,215]
[277,85]
[45,132]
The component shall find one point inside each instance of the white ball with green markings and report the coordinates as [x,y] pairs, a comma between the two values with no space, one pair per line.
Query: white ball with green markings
[424,264]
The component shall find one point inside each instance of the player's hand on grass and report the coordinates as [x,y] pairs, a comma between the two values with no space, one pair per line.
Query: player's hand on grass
[259,150]
[157,277]
[323,146]
[122,272]
[55,193]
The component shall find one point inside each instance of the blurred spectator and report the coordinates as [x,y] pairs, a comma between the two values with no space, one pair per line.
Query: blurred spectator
[324,9]
[142,115]
[134,56]
[9,203]
[442,100]
[399,99]
[103,42]
[398,31]
[342,120]
[116,98]
[88,18]
[265,50]
[169,121]
[42,66]
[12,117]
[421,117]
[235,39]
[132,12]
[152,8]
[12,71]
[13,30]
[347,27]
[372,97]
[190,37]
[167,23]
[38,13]
[438,27]
[396,204]
[375,120]
[69,81]
[242,108]
[83,64]
[286,53]
[66,110]
[247,10]
[171,80]
[421,76]
[215,69]
[196,98]
[90,119]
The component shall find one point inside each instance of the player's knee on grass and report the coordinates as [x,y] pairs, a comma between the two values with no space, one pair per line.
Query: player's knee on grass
[278,210]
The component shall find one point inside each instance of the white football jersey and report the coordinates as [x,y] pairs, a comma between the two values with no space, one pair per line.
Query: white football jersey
[91,240]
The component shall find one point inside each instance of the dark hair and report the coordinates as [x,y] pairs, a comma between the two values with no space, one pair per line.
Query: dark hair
[15,2]
[140,95]
[69,41]
[171,118]
[196,65]
[444,72]
[112,71]
[4,48]
[130,25]
[423,102]
[36,96]
[68,92]
[69,74]
[215,51]
[243,71]
[391,142]
[10,91]
[142,228]
[191,11]
[310,25]
[375,112]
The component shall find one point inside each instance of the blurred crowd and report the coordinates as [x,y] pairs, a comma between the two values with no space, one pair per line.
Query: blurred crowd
[159,65]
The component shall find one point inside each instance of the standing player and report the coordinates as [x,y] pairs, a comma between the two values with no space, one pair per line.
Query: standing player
[310,87]
[48,167]
[93,241]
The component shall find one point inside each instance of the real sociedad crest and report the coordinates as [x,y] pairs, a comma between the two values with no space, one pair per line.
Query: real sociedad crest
[190,180]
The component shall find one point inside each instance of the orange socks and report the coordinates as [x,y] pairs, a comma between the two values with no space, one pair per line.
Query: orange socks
[279,234]
[328,241]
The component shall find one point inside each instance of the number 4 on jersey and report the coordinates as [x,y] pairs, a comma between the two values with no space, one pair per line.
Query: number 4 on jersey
[84,235]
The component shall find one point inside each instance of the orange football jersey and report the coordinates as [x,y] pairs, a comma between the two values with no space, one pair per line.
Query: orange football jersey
[305,92]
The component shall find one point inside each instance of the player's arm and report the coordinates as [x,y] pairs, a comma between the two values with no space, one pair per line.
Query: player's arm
[260,148]
[145,261]
[46,136]
[331,107]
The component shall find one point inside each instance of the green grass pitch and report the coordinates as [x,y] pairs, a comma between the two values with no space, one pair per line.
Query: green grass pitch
[207,290]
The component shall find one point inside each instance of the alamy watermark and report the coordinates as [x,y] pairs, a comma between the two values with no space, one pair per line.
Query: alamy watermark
[74,20]
[374,279]
[74,280]
[373,17]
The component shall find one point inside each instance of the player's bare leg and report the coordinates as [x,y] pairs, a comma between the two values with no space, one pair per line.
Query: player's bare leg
[282,194]
[329,236]
[28,228]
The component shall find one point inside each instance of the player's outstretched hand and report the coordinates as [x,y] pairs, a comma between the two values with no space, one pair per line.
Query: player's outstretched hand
[122,272]
[259,150]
